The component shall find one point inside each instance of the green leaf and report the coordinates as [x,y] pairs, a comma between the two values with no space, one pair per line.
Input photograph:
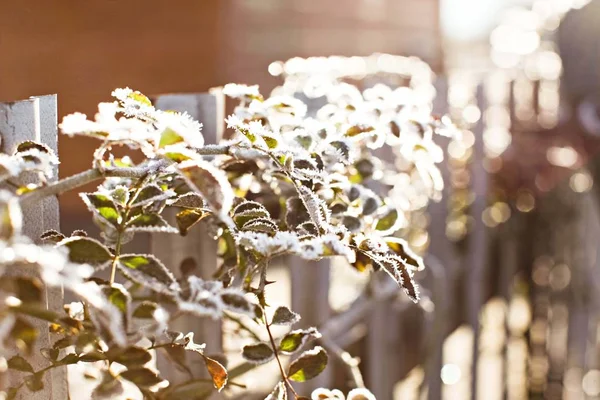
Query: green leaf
[211,183]
[169,137]
[147,270]
[270,141]
[132,356]
[102,205]
[388,221]
[284,316]
[217,372]
[309,365]
[20,364]
[258,353]
[142,377]
[295,340]
[186,219]
[118,296]
[85,250]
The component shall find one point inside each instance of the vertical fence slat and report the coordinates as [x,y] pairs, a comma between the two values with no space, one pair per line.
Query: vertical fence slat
[36,119]
[476,259]
[208,108]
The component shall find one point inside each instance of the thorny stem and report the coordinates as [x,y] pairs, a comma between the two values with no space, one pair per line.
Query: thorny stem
[261,288]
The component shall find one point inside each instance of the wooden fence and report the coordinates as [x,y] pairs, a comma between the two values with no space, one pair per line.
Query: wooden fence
[395,336]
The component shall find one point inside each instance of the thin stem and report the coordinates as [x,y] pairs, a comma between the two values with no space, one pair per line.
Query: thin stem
[113,270]
[350,362]
[242,325]
[274,346]
[262,300]
[122,225]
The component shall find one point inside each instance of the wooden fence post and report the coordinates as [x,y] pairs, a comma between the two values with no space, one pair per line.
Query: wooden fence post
[209,109]
[36,119]
[477,257]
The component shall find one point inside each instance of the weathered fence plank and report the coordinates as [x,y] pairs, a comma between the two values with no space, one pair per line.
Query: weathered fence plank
[36,119]
[209,109]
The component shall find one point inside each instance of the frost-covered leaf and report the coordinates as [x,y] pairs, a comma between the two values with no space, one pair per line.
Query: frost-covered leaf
[317,209]
[279,392]
[211,183]
[85,250]
[149,223]
[103,206]
[284,316]
[234,300]
[400,272]
[247,211]
[148,271]
[20,364]
[118,296]
[217,372]
[265,225]
[296,213]
[52,236]
[327,394]
[268,245]
[401,248]
[186,219]
[309,365]
[258,353]
[188,200]
[360,394]
[296,339]
[150,194]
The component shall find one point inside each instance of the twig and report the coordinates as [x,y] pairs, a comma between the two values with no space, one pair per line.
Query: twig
[350,362]
[91,175]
